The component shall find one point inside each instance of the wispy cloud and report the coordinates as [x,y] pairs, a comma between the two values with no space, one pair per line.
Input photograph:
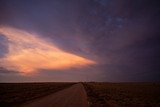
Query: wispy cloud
[28,52]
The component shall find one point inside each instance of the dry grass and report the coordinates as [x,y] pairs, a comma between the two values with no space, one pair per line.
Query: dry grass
[123,94]
[15,94]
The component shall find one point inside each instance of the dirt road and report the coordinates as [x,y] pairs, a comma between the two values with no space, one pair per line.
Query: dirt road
[75,96]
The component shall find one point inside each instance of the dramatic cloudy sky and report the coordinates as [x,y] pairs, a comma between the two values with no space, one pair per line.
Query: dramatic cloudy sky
[79,40]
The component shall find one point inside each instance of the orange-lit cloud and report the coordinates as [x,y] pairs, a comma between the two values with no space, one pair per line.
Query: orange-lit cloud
[28,52]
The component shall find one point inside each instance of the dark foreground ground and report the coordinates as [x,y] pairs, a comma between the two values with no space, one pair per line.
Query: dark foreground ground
[74,96]
[99,94]
[15,94]
[123,94]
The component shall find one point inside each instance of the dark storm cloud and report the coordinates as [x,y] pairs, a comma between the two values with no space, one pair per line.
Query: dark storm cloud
[4,71]
[125,34]
[122,36]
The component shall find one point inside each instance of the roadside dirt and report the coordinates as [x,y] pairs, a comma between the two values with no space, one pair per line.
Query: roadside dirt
[75,96]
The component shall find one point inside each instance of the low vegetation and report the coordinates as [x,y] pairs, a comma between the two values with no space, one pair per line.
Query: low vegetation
[123,94]
[15,94]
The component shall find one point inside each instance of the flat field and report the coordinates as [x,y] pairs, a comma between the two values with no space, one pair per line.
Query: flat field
[15,94]
[123,94]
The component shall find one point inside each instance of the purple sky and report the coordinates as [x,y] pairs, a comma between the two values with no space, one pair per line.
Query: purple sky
[121,36]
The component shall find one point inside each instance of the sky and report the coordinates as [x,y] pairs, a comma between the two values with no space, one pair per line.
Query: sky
[79,40]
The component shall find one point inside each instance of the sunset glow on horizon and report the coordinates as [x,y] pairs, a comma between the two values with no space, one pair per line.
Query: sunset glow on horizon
[27,52]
